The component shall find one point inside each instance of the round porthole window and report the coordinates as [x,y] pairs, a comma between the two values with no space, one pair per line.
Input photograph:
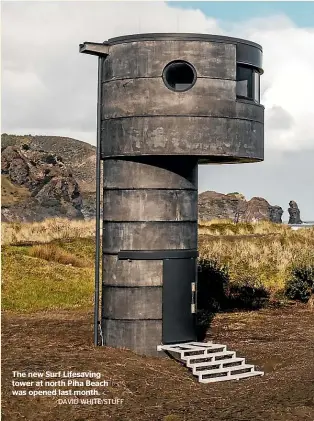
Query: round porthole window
[179,76]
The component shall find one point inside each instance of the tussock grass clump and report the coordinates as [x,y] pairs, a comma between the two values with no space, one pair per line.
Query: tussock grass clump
[301,284]
[42,283]
[52,252]
[261,261]
[228,227]
[46,231]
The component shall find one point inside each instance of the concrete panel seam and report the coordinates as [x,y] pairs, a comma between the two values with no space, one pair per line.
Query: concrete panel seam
[158,77]
[188,115]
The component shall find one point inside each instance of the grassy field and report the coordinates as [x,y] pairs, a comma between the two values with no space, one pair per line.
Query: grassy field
[259,255]
[41,277]
[47,295]
[49,265]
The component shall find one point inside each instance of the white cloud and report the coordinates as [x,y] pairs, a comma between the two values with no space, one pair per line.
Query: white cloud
[288,83]
[47,86]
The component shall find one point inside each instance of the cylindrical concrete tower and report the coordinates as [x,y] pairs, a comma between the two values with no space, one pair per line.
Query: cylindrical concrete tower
[167,102]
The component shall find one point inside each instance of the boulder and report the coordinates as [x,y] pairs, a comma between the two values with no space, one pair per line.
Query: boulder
[294,213]
[276,213]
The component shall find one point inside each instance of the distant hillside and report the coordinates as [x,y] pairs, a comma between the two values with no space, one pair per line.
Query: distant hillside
[78,156]
[46,176]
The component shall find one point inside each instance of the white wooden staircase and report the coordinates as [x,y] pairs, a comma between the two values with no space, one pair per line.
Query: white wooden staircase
[211,362]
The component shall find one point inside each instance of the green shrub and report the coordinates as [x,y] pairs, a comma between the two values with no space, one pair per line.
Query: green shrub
[301,284]
[247,297]
[213,280]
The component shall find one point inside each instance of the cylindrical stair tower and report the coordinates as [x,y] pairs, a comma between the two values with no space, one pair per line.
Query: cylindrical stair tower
[167,102]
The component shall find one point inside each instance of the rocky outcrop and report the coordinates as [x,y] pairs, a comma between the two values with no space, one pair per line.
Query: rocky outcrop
[294,213]
[53,189]
[234,206]
[78,156]
[89,205]
[258,209]
[212,205]
[276,213]
[58,175]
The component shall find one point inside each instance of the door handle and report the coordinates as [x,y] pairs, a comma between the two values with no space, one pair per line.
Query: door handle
[193,307]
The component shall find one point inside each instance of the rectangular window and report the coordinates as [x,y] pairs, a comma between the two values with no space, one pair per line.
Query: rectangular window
[248,83]
[244,82]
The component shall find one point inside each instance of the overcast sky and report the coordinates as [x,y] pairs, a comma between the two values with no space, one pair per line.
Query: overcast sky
[49,88]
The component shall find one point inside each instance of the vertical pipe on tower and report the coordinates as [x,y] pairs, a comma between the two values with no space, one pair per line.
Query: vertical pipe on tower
[98,155]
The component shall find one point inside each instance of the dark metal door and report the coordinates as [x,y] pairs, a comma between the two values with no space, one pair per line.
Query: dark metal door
[178,321]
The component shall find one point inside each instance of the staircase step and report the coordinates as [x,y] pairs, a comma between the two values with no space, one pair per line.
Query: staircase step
[221,363]
[204,344]
[232,377]
[210,357]
[205,352]
[230,370]
[196,352]
[181,349]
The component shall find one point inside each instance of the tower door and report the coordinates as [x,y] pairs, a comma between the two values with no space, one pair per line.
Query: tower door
[178,317]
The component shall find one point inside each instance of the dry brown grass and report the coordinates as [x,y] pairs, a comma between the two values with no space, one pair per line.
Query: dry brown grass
[228,227]
[59,275]
[12,193]
[259,254]
[51,252]
[46,231]
[62,228]
[261,260]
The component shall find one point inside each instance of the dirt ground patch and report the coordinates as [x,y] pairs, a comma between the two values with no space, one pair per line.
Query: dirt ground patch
[279,342]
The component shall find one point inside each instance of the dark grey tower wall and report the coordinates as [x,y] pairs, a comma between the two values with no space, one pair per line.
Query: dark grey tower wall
[141,116]
[152,140]
[148,205]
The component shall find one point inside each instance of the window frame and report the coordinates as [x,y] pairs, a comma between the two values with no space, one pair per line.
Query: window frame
[179,62]
[254,77]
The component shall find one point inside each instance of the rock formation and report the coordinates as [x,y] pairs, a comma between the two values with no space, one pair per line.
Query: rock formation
[294,213]
[53,189]
[78,157]
[233,206]
[50,176]
[212,205]
[276,214]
